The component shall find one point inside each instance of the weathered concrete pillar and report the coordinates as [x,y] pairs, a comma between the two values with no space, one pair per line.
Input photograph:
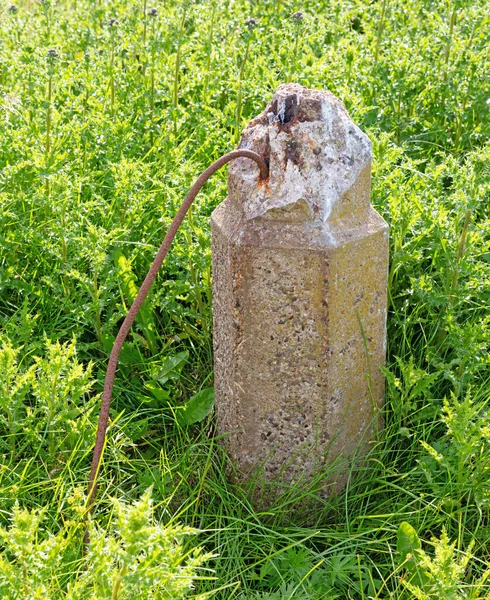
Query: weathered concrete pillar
[299,286]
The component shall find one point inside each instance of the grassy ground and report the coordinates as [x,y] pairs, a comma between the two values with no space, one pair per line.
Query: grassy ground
[107,117]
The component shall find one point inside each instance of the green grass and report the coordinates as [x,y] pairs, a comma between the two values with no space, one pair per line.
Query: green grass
[99,143]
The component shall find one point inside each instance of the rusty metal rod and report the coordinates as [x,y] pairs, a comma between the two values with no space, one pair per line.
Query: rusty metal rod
[140,297]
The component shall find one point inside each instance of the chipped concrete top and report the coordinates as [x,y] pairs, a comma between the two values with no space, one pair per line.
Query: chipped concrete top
[317,156]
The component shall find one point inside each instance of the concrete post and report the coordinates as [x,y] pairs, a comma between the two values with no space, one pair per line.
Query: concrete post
[299,285]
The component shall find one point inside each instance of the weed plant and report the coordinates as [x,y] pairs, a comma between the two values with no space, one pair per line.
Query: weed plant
[109,111]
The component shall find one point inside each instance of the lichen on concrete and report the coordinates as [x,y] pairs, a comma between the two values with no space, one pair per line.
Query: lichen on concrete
[299,293]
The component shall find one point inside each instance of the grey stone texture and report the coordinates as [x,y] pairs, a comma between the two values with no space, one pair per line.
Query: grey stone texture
[300,265]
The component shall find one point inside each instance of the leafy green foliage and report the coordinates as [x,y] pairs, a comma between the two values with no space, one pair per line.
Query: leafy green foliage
[171,367]
[44,405]
[144,318]
[458,465]
[30,568]
[138,559]
[197,407]
[407,391]
[441,577]
[408,544]
[14,387]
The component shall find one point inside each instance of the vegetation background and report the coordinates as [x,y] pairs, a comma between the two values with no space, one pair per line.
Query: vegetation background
[110,109]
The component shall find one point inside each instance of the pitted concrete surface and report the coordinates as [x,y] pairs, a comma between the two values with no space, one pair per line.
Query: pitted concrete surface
[299,294]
